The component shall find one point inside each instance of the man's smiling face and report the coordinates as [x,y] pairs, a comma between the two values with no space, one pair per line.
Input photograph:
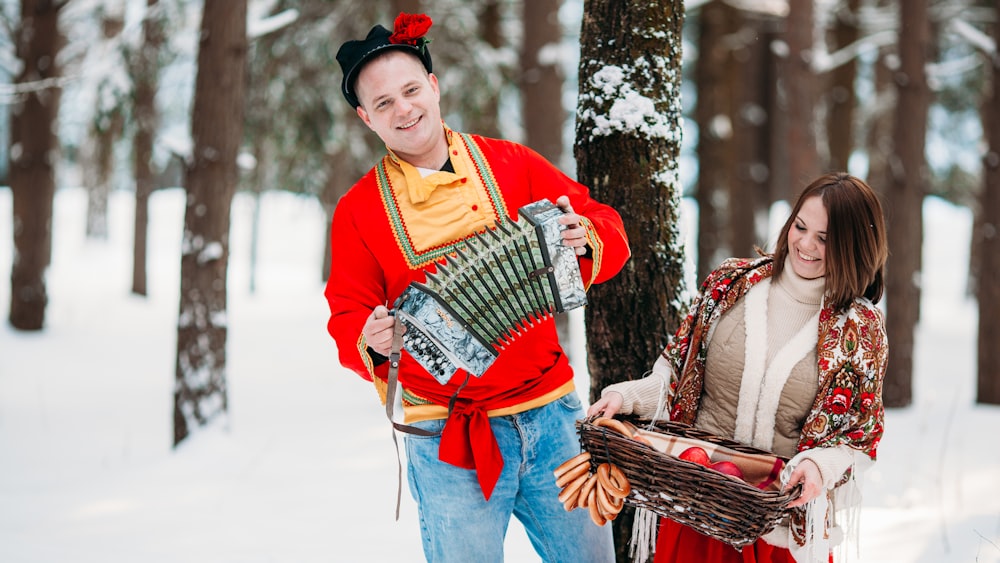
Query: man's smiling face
[400,102]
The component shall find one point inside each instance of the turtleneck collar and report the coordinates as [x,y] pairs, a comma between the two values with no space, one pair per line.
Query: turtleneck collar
[801,289]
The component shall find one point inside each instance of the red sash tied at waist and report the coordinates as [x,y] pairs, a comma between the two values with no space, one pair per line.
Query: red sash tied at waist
[467,441]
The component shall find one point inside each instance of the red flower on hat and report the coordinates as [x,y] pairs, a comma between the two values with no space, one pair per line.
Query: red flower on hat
[410,29]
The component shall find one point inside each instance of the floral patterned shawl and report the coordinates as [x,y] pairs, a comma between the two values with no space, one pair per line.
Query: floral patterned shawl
[852,352]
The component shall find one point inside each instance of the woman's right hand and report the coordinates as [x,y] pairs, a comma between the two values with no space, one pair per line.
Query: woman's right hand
[608,405]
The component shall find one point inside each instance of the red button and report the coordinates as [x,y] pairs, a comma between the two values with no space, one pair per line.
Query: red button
[475,207]
[464,179]
[454,153]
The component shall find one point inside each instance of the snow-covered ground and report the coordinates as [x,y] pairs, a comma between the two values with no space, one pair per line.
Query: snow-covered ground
[304,470]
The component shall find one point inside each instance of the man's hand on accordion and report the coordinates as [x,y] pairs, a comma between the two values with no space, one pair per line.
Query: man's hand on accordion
[378,330]
[575,234]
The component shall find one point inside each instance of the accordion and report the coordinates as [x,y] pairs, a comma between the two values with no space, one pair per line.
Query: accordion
[495,287]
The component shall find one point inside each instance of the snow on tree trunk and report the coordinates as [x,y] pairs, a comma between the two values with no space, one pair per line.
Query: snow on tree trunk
[907,185]
[628,138]
[216,128]
[33,154]
[106,124]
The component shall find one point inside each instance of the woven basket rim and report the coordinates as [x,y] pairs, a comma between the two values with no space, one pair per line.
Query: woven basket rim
[714,504]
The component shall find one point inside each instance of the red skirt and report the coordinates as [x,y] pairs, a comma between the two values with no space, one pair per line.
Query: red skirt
[677,543]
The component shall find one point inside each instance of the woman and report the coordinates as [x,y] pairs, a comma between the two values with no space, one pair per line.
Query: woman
[786,353]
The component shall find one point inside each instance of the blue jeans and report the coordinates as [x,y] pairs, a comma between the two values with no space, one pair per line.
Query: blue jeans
[458,524]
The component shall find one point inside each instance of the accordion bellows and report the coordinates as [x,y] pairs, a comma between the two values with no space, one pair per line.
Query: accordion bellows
[499,285]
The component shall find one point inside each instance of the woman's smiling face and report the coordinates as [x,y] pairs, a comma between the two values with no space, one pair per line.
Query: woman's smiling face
[807,239]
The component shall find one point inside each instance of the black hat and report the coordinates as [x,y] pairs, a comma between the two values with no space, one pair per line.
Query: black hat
[408,36]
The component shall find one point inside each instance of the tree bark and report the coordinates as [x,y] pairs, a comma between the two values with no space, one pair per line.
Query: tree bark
[908,169]
[105,129]
[879,135]
[541,95]
[749,188]
[541,80]
[353,148]
[145,72]
[988,378]
[337,184]
[32,160]
[800,91]
[408,6]
[714,117]
[217,127]
[840,94]
[630,317]
[483,115]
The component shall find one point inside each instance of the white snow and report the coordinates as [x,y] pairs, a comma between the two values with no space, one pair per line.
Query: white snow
[630,110]
[303,468]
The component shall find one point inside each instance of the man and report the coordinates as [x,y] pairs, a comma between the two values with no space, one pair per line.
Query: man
[492,453]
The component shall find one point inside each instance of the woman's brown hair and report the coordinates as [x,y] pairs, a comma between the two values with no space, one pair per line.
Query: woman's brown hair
[856,245]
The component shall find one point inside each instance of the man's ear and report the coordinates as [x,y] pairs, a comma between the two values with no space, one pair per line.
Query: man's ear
[434,85]
[364,116]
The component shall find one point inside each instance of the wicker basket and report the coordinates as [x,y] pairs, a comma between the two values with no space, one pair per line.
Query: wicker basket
[714,504]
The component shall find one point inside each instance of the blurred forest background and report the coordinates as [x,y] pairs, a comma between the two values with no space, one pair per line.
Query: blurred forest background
[735,104]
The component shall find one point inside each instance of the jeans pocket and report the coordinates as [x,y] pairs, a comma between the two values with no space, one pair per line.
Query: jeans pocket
[570,402]
[434,426]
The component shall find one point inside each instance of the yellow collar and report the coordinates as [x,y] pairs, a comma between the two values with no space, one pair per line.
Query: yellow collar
[419,188]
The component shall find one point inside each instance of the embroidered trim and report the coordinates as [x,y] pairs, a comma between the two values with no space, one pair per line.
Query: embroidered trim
[410,398]
[597,245]
[486,175]
[363,352]
[382,388]
[414,258]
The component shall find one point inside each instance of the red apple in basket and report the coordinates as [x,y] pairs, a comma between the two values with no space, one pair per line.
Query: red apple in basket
[695,454]
[727,467]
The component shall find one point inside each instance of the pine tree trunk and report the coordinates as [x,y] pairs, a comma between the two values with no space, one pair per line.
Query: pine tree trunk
[408,6]
[780,188]
[840,94]
[988,380]
[906,193]
[879,136]
[541,80]
[800,91]
[541,96]
[105,129]
[714,116]
[216,127]
[32,161]
[634,169]
[99,187]
[486,120]
[751,88]
[145,73]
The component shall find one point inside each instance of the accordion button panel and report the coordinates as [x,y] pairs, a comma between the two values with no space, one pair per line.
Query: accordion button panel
[489,292]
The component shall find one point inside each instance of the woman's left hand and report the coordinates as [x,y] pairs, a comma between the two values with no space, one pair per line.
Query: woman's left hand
[807,473]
